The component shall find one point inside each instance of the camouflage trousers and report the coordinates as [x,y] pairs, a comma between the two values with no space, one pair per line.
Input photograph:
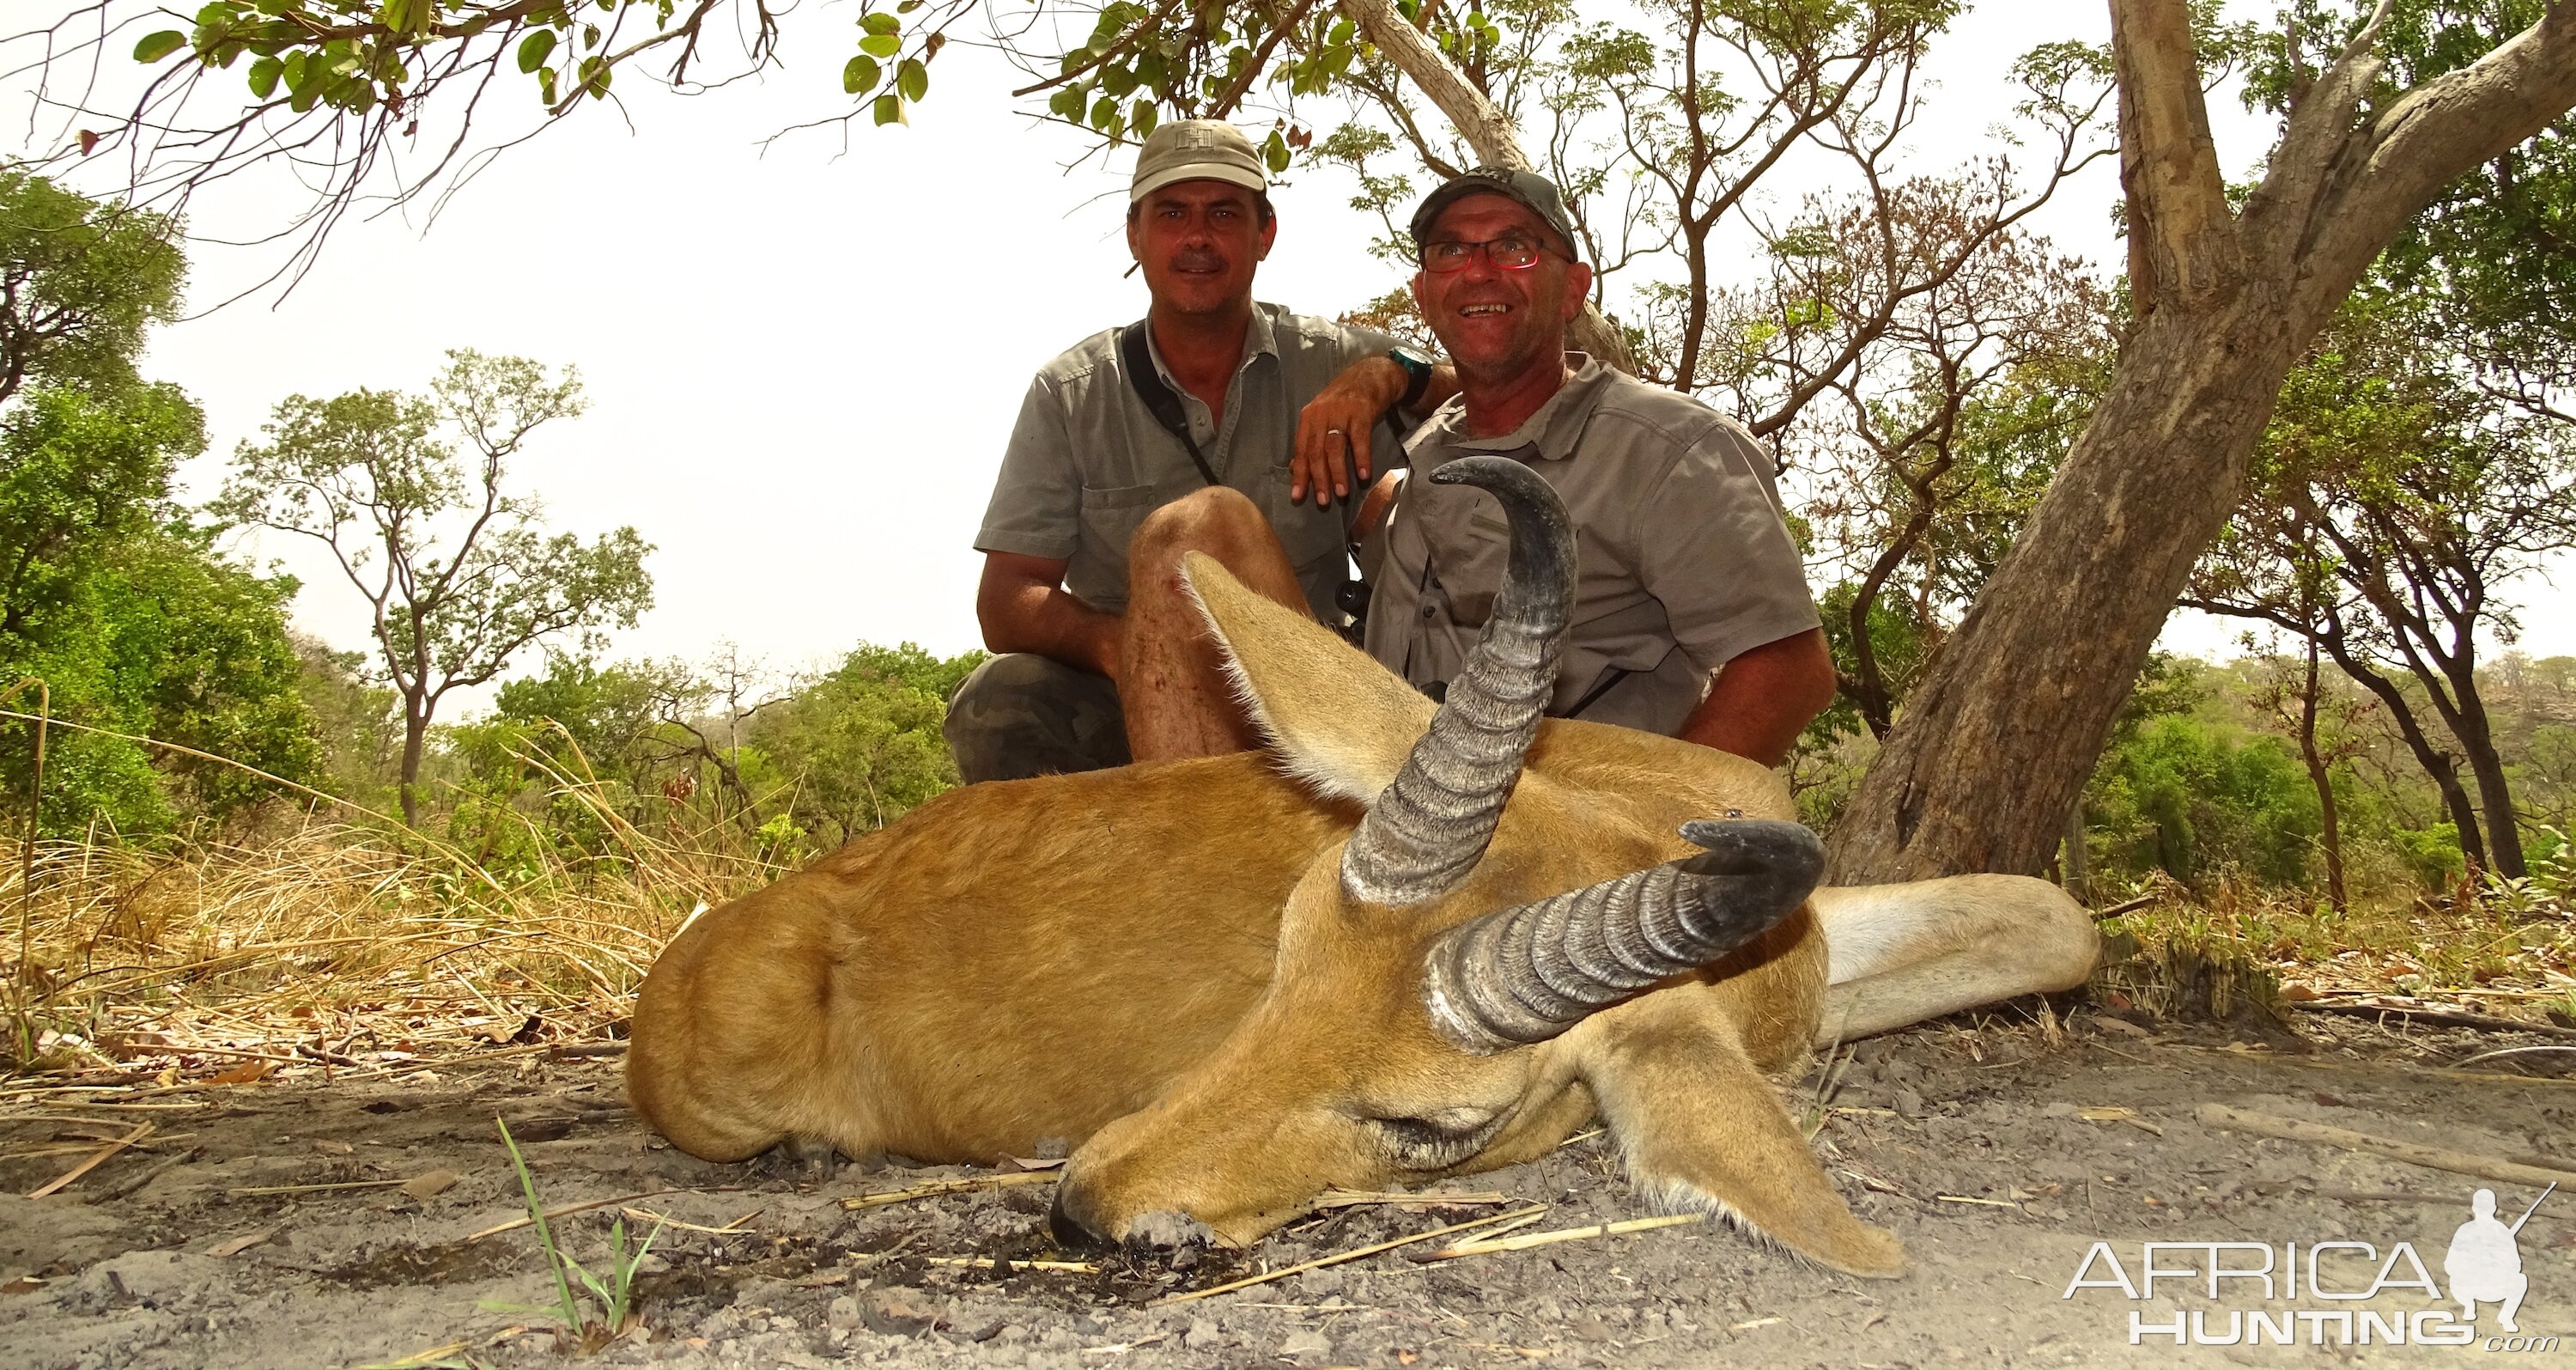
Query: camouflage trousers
[1021,715]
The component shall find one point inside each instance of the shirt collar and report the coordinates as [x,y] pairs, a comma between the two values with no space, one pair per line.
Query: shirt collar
[1259,340]
[1553,431]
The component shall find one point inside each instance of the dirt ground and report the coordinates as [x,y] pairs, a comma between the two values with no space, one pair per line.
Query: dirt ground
[2000,1152]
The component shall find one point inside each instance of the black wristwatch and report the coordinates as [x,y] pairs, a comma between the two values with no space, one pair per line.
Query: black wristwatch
[1417,374]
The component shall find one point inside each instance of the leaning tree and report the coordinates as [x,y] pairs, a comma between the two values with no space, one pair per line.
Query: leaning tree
[1996,742]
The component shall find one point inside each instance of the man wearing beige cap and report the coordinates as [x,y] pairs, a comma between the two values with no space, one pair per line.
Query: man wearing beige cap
[1216,424]
[1692,616]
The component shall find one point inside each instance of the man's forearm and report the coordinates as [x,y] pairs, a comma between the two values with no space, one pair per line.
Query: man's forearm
[1392,380]
[1049,621]
[1764,698]
[1439,390]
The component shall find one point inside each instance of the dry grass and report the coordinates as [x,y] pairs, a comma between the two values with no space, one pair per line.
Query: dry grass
[2478,952]
[338,948]
[335,948]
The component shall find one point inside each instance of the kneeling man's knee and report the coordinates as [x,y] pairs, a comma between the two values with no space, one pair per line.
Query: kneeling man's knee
[1209,520]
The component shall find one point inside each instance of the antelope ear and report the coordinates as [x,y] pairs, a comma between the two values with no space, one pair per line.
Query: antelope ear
[1340,722]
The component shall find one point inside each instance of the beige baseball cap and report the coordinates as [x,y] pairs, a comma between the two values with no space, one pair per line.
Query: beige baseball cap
[1196,150]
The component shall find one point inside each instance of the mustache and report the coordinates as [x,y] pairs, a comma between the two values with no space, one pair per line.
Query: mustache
[1197,260]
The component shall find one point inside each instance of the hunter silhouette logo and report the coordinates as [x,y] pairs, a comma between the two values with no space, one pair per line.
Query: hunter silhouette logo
[2485,1262]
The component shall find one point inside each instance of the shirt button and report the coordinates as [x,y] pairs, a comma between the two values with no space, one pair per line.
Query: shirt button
[1430,611]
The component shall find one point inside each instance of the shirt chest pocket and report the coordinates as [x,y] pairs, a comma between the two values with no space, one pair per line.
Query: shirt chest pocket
[1469,572]
[1110,515]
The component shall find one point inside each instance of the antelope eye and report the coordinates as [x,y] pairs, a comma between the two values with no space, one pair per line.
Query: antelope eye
[1433,1141]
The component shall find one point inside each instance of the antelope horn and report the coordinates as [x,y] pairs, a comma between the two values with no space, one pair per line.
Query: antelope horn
[1427,829]
[1527,973]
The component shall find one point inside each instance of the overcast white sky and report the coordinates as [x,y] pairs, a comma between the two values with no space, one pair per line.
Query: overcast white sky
[802,365]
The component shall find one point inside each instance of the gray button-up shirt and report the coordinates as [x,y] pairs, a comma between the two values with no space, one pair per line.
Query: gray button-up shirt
[1684,559]
[1087,461]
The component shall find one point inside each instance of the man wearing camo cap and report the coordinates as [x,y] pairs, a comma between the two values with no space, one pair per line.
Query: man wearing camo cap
[1207,426]
[1692,616]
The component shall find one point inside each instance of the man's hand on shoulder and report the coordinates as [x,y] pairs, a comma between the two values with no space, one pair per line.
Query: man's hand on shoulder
[1333,430]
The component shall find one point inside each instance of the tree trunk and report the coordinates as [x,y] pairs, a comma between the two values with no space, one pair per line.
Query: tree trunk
[1997,740]
[1488,132]
[2078,865]
[2321,776]
[2440,765]
[2495,798]
[415,733]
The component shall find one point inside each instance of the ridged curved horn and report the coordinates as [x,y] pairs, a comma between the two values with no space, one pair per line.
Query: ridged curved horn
[1525,974]
[1425,831]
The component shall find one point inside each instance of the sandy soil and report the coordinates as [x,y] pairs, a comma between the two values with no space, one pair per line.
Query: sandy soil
[1972,1142]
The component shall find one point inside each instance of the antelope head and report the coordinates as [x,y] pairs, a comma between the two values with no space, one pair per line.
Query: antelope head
[1473,972]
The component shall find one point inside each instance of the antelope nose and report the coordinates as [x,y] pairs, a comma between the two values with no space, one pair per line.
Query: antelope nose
[1069,1231]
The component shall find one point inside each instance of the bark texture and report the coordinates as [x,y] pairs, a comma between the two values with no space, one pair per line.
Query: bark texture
[1996,742]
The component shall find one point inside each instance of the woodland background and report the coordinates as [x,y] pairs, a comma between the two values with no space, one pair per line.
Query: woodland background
[208,797]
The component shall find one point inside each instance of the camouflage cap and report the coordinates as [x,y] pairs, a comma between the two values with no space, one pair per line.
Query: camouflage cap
[1532,191]
[1196,150]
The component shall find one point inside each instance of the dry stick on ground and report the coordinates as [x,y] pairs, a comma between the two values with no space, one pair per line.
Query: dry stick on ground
[1488,1245]
[731,1229]
[136,1184]
[2396,1197]
[2439,1017]
[2509,1051]
[1338,1258]
[2413,1153]
[553,1213]
[273,1190]
[2314,1063]
[97,1159]
[1429,1198]
[934,1188]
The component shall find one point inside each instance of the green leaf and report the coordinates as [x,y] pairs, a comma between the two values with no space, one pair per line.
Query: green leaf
[1275,153]
[546,85]
[889,109]
[263,76]
[881,45]
[300,67]
[1117,81]
[1142,118]
[1104,112]
[880,22]
[913,79]
[860,75]
[535,48]
[156,46]
[1067,102]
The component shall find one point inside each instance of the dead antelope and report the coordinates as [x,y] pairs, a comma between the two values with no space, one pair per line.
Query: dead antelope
[1404,943]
